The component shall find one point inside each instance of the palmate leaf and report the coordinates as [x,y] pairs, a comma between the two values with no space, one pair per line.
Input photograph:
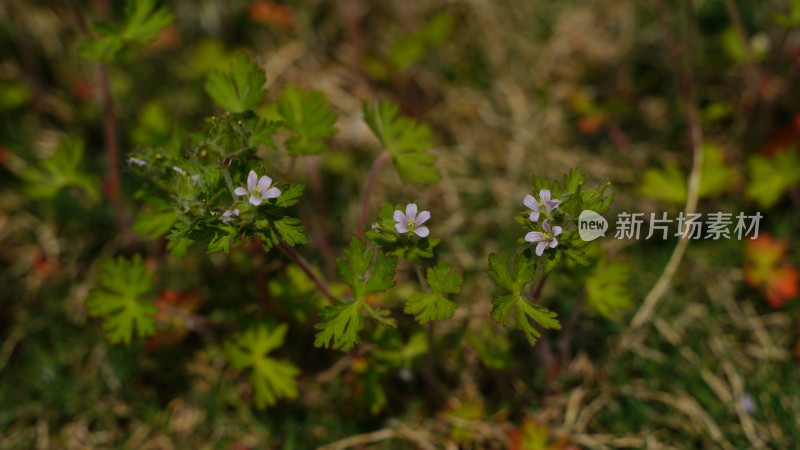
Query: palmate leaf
[240,88]
[120,300]
[515,307]
[309,119]
[271,378]
[343,321]
[434,305]
[405,139]
[62,170]
[142,24]
[770,178]
[607,288]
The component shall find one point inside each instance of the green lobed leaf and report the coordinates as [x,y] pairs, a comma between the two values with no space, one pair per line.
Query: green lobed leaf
[434,305]
[309,119]
[120,300]
[155,220]
[523,271]
[143,23]
[290,195]
[515,307]
[271,378]
[771,177]
[359,272]
[62,170]
[405,139]
[340,327]
[607,288]
[342,322]
[669,184]
[238,89]
[524,314]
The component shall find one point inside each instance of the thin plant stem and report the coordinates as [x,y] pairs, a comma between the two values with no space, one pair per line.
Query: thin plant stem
[305,267]
[111,188]
[429,371]
[373,174]
[229,182]
[321,231]
[260,276]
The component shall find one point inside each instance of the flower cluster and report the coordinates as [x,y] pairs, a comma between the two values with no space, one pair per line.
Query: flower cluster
[545,205]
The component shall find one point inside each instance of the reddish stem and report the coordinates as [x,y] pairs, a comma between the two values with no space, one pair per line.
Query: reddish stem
[373,173]
[306,267]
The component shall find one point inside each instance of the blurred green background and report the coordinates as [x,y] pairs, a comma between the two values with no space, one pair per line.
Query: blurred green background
[511,89]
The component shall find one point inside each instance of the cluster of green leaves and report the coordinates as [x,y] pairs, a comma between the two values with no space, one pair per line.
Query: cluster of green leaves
[122,301]
[271,378]
[344,320]
[62,170]
[515,305]
[199,182]
[142,24]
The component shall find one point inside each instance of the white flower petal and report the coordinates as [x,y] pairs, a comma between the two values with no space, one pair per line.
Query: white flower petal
[423,217]
[553,243]
[534,236]
[252,181]
[272,192]
[530,202]
[399,216]
[546,227]
[544,195]
[534,216]
[401,227]
[264,183]
[411,211]
[255,200]
[557,230]
[240,191]
[422,231]
[540,248]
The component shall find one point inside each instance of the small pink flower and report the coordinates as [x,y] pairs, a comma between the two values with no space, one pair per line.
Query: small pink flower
[545,238]
[259,189]
[410,221]
[544,202]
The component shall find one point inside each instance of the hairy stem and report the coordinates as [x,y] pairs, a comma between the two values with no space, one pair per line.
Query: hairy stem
[229,182]
[373,174]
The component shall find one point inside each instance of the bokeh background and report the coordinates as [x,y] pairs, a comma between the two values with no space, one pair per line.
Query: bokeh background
[511,89]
